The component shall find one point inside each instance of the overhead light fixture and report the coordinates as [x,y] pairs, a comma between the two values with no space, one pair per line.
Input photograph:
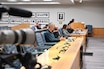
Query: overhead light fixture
[26,0]
[80,1]
[47,0]
[12,0]
[72,1]
[31,3]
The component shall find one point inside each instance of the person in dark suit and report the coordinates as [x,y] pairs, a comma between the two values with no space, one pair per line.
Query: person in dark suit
[49,36]
[45,27]
[69,29]
[34,27]
[56,32]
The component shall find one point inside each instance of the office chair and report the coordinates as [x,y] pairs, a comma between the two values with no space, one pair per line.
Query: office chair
[10,49]
[47,43]
[40,46]
[89,27]
[31,49]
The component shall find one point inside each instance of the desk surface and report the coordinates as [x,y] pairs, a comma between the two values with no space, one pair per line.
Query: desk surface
[67,58]
[82,33]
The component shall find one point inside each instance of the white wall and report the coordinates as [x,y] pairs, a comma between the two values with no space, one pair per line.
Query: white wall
[90,13]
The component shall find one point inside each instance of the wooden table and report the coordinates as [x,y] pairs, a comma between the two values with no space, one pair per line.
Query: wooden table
[70,59]
[82,34]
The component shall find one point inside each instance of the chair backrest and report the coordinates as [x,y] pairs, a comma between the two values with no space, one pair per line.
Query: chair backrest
[39,39]
[42,33]
[89,27]
[10,49]
[40,45]
[44,40]
[5,28]
[29,49]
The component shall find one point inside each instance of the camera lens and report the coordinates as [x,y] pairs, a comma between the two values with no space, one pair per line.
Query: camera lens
[23,36]
[7,36]
[28,36]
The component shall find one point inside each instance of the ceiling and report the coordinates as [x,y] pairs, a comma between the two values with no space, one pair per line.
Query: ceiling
[65,2]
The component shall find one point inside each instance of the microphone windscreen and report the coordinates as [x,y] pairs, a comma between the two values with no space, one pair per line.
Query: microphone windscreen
[19,12]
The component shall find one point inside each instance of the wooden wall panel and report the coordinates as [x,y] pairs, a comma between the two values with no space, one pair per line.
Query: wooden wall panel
[76,25]
[21,26]
[98,32]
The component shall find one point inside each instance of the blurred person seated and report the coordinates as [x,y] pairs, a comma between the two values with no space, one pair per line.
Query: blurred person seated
[64,30]
[69,29]
[45,27]
[39,26]
[49,36]
[56,32]
[36,26]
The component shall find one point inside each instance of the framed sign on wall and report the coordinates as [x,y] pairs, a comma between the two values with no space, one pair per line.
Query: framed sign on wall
[33,14]
[42,21]
[4,20]
[42,14]
[15,20]
[5,15]
[60,16]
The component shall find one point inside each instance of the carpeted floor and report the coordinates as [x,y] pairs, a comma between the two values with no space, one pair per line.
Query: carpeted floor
[95,45]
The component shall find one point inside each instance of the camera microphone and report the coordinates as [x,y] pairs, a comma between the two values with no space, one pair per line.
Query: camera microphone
[19,12]
[14,11]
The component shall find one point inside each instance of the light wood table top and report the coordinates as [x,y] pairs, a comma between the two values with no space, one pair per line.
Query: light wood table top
[67,57]
[82,33]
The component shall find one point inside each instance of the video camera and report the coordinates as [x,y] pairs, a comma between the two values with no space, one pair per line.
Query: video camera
[23,36]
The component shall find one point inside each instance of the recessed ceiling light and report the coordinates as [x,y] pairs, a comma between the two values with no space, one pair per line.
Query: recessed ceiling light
[26,0]
[17,3]
[72,1]
[80,1]
[12,0]
[47,0]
